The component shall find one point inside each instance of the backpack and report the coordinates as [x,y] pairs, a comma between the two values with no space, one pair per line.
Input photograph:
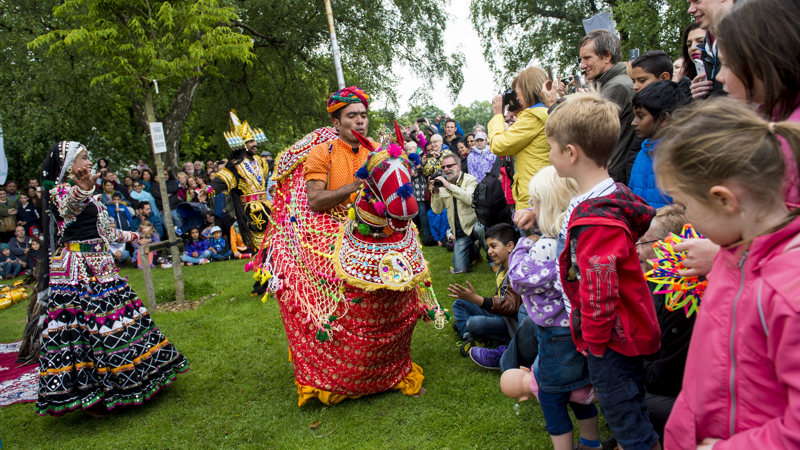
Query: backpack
[489,199]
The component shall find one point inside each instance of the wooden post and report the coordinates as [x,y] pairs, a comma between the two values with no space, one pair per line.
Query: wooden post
[144,255]
[170,228]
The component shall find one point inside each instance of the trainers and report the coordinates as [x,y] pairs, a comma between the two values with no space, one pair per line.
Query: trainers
[166,265]
[465,346]
[488,358]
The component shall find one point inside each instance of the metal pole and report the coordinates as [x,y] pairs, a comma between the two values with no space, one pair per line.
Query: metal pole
[337,61]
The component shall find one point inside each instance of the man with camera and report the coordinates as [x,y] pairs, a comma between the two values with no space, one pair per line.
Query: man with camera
[453,189]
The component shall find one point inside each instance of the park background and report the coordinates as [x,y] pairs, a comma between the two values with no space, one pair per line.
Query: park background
[84,69]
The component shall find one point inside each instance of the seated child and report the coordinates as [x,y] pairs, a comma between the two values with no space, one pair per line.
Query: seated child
[613,318]
[559,370]
[33,256]
[218,246]
[489,318]
[10,265]
[119,212]
[664,369]
[147,235]
[240,250]
[652,108]
[197,251]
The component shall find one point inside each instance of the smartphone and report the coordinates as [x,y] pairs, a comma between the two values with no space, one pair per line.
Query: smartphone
[701,68]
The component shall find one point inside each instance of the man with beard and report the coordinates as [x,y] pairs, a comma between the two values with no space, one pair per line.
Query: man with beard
[454,191]
[331,166]
[244,177]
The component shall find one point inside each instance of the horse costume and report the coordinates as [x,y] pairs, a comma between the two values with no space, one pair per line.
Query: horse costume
[350,284]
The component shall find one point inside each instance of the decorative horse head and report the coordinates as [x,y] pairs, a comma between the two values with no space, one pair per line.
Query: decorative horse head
[388,197]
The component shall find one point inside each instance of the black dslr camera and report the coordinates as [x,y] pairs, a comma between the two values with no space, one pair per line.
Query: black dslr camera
[510,100]
[437,183]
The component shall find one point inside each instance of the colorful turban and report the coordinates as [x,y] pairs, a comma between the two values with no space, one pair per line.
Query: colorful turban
[347,96]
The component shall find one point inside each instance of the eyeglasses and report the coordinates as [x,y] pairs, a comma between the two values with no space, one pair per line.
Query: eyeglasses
[448,166]
[647,242]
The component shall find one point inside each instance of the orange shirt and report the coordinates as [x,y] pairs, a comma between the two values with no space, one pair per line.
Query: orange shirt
[334,163]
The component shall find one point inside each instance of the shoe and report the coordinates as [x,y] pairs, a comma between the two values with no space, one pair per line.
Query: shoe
[465,346]
[166,265]
[449,246]
[488,358]
[204,261]
[139,267]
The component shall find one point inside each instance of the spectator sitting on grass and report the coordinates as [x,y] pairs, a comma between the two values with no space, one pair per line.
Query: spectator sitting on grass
[478,318]
[218,246]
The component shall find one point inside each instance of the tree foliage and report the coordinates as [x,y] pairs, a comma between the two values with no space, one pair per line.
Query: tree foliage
[137,44]
[478,113]
[548,32]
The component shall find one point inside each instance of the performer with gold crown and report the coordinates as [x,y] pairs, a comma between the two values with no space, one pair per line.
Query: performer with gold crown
[344,261]
[244,177]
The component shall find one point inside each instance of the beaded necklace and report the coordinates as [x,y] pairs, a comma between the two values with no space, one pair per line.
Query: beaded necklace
[253,175]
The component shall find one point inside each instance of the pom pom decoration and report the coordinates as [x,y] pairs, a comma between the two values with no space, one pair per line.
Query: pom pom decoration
[405,191]
[363,229]
[394,150]
[681,292]
[415,159]
[351,214]
[362,172]
[380,208]
[47,184]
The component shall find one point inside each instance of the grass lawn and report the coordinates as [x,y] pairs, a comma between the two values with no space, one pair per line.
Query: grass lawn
[240,390]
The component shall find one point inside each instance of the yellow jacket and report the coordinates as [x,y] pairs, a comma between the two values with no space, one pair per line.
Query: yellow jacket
[463,195]
[526,141]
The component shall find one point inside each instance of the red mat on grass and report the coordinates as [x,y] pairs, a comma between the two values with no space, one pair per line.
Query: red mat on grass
[17,383]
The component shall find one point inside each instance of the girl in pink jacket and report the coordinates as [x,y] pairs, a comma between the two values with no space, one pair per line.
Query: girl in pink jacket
[741,386]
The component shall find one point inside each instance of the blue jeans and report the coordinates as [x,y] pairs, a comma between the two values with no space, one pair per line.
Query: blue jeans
[619,381]
[421,219]
[559,367]
[523,348]
[220,256]
[124,255]
[464,250]
[556,416]
[11,269]
[473,321]
[185,257]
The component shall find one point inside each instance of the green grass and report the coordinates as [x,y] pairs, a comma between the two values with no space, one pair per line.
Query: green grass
[240,390]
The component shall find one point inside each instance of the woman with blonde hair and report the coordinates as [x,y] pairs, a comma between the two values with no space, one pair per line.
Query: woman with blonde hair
[524,139]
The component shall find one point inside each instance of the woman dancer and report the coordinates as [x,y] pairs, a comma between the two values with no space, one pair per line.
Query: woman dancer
[97,346]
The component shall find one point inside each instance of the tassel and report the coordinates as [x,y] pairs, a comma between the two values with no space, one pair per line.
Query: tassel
[380,208]
[405,191]
[363,229]
[362,173]
[414,159]
[394,150]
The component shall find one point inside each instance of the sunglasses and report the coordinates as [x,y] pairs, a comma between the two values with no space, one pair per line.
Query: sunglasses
[448,166]
[647,242]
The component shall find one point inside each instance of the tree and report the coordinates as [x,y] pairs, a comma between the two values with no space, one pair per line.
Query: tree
[141,46]
[543,32]
[285,89]
[478,113]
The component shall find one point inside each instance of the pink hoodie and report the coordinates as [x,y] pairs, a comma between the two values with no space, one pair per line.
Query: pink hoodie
[742,379]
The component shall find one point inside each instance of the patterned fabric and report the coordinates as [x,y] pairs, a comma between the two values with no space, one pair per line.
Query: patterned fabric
[17,383]
[99,344]
[533,275]
[479,162]
[346,339]
[252,183]
[347,96]
[420,183]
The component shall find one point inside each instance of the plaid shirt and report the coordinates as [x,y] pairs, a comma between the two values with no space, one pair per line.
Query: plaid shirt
[419,182]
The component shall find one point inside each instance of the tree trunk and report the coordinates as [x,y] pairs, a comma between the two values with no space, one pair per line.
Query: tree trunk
[150,115]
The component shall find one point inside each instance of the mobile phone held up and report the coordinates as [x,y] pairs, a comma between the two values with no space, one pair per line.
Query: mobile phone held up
[700,66]
[578,83]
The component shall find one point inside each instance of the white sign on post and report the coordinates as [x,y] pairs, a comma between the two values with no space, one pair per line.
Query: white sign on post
[157,135]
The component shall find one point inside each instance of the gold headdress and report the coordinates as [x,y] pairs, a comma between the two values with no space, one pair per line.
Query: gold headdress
[241,133]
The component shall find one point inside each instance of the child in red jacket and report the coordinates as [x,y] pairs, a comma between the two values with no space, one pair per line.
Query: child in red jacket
[613,317]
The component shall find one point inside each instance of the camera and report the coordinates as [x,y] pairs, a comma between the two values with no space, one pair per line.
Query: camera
[510,100]
[421,120]
[437,183]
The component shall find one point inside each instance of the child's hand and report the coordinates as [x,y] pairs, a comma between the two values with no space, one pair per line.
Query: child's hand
[213,250]
[195,254]
[700,255]
[465,293]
